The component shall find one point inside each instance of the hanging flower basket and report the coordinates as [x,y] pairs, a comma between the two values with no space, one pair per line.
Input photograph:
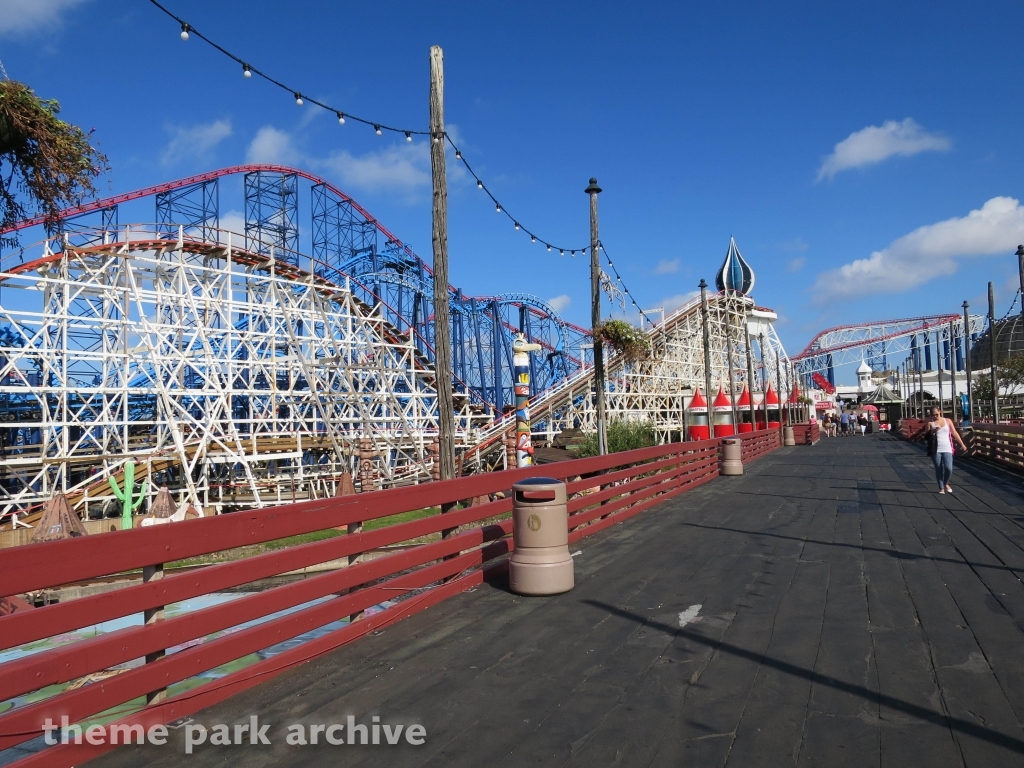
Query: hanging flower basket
[628,341]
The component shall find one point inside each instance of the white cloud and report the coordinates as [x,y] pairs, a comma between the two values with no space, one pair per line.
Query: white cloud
[273,147]
[20,16]
[672,303]
[667,267]
[795,265]
[234,222]
[190,142]
[393,167]
[560,303]
[878,142]
[400,166]
[928,252]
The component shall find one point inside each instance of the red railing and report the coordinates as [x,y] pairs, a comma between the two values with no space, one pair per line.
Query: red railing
[757,444]
[468,545]
[806,434]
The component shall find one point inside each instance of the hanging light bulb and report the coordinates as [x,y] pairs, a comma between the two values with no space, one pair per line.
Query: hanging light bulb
[561,251]
[549,248]
[246,71]
[517,226]
[341,118]
[298,99]
[572,254]
[437,137]
[583,252]
[479,184]
[533,239]
[408,136]
[497,208]
[184,30]
[458,155]
[376,129]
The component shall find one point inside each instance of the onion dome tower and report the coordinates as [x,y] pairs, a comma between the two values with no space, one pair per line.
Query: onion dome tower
[735,274]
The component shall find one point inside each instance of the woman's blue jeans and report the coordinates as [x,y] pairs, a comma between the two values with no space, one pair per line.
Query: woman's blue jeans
[943,468]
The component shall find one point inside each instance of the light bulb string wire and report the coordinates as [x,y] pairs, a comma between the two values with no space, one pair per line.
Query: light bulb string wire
[186,27]
[501,209]
[621,282]
[246,66]
[380,126]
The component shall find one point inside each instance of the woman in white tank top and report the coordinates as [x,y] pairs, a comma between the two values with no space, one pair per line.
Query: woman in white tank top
[943,431]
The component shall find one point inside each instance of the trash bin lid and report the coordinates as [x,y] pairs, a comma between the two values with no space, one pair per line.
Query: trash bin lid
[539,490]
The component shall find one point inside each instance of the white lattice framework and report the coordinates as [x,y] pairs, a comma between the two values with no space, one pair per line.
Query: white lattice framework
[659,390]
[234,377]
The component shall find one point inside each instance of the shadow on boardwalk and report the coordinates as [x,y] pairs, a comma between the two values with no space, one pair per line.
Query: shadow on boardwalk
[843,614]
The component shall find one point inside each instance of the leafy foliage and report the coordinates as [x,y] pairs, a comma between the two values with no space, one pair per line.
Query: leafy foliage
[623,435]
[49,161]
[627,340]
[1010,374]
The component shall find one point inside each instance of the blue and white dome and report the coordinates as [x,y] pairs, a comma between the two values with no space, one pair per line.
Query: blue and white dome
[735,274]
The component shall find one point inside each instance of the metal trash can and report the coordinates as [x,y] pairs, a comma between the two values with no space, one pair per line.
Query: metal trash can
[540,564]
[732,452]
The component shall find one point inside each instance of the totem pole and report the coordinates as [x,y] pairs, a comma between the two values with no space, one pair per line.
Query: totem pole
[521,372]
[125,496]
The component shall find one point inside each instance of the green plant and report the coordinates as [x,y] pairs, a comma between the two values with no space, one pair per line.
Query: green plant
[42,157]
[627,340]
[126,496]
[623,435]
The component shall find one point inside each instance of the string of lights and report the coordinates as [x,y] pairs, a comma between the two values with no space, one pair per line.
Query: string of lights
[1012,305]
[248,70]
[618,278]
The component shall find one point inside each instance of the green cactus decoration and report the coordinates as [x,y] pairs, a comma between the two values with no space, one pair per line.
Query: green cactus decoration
[125,496]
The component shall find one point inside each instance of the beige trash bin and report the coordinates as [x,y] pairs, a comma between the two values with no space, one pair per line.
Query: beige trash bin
[540,564]
[732,453]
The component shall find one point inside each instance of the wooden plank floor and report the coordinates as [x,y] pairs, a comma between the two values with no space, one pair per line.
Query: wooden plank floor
[849,616]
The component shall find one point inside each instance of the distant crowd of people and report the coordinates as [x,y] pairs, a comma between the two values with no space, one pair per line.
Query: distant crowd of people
[846,423]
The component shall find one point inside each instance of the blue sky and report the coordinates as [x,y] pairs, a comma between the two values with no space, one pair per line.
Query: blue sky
[866,157]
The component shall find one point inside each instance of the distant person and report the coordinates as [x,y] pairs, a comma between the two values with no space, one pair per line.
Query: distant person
[862,422]
[844,422]
[941,433]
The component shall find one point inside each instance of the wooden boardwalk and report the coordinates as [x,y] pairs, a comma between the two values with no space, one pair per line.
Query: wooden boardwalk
[848,616]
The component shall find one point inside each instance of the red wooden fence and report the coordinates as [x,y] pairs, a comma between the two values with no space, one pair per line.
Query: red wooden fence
[474,540]
[757,444]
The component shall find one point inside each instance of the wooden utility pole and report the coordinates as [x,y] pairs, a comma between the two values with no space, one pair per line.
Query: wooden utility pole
[952,371]
[967,362]
[766,377]
[994,375]
[439,239]
[595,321]
[707,343]
[750,376]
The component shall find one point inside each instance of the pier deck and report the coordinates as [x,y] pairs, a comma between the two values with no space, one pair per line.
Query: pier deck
[838,612]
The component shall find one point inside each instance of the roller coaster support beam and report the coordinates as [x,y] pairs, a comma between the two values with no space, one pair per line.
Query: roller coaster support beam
[439,239]
[595,316]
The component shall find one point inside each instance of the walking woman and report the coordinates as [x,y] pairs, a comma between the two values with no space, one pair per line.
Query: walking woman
[941,433]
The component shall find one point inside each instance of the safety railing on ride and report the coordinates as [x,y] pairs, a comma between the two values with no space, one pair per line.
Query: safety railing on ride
[138,665]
